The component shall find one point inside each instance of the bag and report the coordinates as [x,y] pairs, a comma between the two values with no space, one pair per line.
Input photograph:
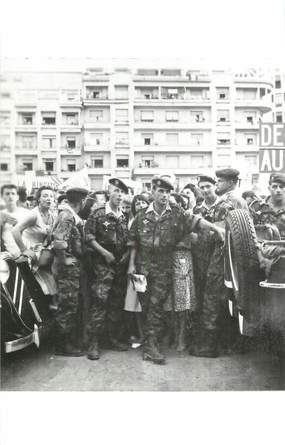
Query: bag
[139,282]
[46,259]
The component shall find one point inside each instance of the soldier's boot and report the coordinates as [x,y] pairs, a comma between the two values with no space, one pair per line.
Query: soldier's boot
[66,348]
[207,347]
[116,345]
[152,353]
[93,352]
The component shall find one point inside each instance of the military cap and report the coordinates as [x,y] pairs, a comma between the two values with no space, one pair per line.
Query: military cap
[227,173]
[277,177]
[189,186]
[119,183]
[162,182]
[205,178]
[78,190]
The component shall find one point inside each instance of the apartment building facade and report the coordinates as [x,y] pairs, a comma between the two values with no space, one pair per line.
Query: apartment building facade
[131,123]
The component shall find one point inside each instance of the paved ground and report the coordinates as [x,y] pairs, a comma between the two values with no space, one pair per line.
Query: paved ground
[32,370]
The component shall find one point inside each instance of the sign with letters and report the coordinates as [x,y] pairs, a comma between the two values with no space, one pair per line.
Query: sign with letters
[272,148]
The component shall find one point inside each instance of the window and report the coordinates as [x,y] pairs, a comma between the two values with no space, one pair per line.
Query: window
[250,139]
[4,141]
[71,142]
[26,118]
[279,117]
[223,115]
[222,93]
[27,166]
[197,116]
[122,138]
[97,162]
[5,95]
[147,163]
[172,138]
[278,99]
[196,138]
[96,138]
[49,142]
[71,165]
[171,161]
[96,115]
[147,116]
[250,161]
[246,93]
[122,162]
[4,167]
[197,161]
[4,119]
[278,83]
[121,92]
[48,118]
[147,138]
[49,166]
[122,115]
[172,116]
[224,138]
[28,142]
[70,118]
[224,161]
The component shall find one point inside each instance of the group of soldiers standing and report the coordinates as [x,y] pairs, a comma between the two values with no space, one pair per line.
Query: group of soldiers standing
[98,257]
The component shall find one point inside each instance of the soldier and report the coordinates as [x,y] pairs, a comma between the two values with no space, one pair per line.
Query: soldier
[214,311]
[106,234]
[269,215]
[69,249]
[155,232]
[203,247]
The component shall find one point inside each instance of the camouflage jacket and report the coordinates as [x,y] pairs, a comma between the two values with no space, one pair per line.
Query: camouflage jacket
[151,233]
[264,214]
[68,227]
[110,231]
[227,202]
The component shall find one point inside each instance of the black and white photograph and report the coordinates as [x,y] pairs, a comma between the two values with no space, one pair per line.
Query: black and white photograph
[142,207]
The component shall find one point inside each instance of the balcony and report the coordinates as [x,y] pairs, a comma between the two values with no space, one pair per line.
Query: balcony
[76,151]
[96,148]
[70,98]
[262,103]
[20,150]
[175,125]
[172,148]
[245,125]
[99,171]
[23,128]
[96,124]
[69,127]
[26,98]
[146,171]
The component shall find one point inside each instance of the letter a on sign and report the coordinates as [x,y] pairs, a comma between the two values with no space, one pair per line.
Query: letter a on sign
[264,161]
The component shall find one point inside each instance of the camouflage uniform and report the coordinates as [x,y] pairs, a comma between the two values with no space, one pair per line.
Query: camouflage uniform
[202,251]
[155,238]
[69,228]
[109,281]
[215,290]
[268,222]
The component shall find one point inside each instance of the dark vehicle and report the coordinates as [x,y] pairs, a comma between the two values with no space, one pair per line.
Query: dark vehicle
[20,302]
[258,294]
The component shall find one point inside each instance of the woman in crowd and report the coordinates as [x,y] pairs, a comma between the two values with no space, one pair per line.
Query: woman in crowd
[183,294]
[33,236]
[132,304]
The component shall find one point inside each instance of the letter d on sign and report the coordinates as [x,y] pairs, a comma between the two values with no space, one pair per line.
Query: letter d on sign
[265,135]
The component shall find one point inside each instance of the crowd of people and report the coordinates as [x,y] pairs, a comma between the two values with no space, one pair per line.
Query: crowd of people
[123,271]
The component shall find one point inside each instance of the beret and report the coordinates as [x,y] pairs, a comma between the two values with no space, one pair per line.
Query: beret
[119,183]
[204,178]
[227,173]
[162,182]
[79,190]
[277,177]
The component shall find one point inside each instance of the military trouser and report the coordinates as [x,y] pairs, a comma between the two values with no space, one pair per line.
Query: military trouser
[67,315]
[107,300]
[215,291]
[159,280]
